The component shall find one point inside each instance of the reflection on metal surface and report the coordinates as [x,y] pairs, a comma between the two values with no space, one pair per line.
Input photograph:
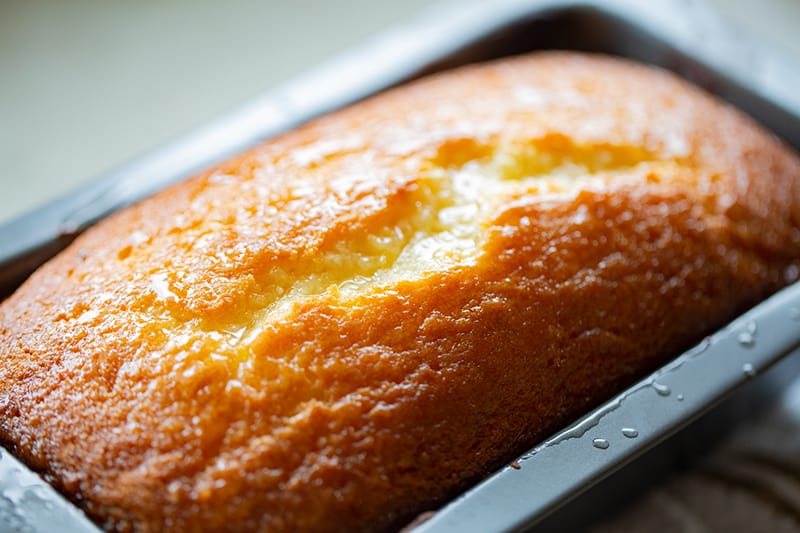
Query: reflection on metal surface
[29,505]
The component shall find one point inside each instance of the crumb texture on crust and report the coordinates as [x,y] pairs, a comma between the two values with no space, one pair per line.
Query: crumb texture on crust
[339,328]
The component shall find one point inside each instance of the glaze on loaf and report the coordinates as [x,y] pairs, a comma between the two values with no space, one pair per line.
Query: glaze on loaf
[347,324]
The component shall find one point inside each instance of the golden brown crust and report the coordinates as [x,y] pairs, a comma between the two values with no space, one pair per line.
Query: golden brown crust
[339,328]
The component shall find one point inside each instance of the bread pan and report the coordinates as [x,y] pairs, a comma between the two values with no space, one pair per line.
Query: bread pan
[683,36]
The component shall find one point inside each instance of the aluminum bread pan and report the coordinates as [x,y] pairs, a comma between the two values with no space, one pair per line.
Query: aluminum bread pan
[681,36]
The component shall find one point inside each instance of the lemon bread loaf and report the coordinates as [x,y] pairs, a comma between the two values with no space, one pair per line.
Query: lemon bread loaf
[348,324]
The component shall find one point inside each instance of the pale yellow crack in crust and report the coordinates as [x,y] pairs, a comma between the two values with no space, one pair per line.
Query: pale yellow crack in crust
[455,195]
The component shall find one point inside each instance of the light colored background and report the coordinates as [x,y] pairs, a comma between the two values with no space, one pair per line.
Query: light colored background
[86,85]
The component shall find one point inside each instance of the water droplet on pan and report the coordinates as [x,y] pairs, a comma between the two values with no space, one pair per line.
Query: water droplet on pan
[748,370]
[680,397]
[631,433]
[661,389]
[515,465]
[601,444]
[746,339]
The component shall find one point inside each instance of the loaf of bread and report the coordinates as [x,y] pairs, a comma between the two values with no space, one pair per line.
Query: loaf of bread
[347,325]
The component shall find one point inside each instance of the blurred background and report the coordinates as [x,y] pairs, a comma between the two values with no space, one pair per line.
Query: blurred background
[86,85]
